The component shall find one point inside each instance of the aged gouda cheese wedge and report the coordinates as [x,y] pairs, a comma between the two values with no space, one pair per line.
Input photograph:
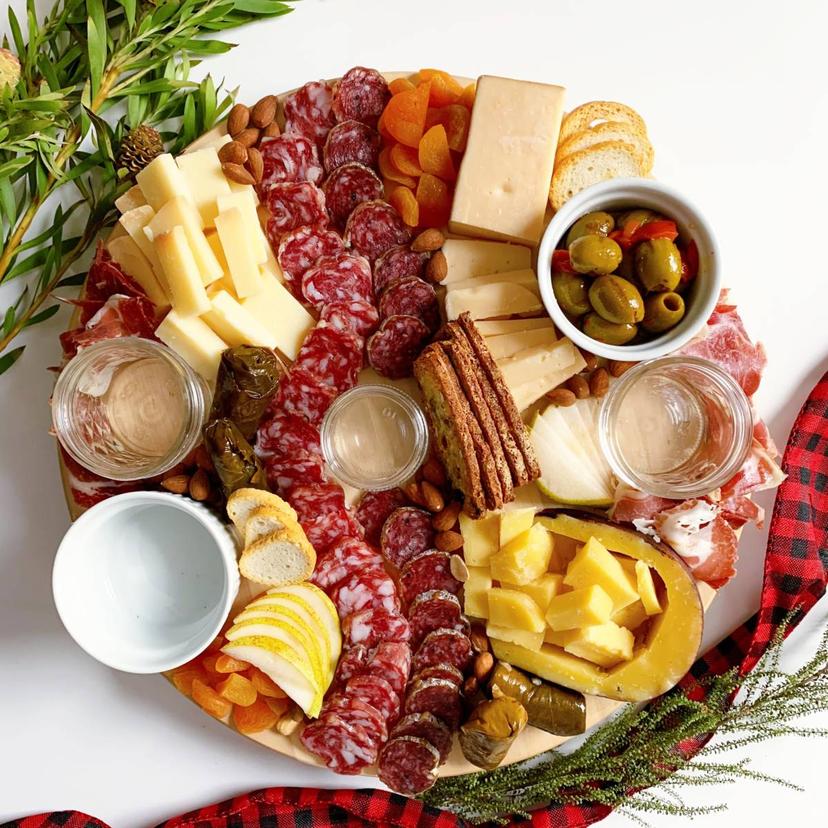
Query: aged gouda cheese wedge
[480,538]
[194,341]
[509,344]
[468,258]
[181,273]
[162,180]
[131,199]
[126,253]
[241,261]
[497,327]
[203,174]
[525,277]
[246,202]
[236,325]
[489,301]
[504,179]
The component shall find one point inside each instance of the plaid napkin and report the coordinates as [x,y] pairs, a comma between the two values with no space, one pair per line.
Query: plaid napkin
[796,571]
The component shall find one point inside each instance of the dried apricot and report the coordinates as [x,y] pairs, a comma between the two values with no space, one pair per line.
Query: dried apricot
[265,685]
[432,117]
[405,159]
[254,718]
[434,198]
[210,701]
[434,154]
[228,664]
[444,88]
[387,136]
[404,202]
[209,664]
[467,98]
[405,114]
[400,85]
[456,119]
[390,172]
[278,706]
[237,689]
[183,678]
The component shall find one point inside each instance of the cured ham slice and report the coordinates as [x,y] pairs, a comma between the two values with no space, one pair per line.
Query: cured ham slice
[758,472]
[632,505]
[89,488]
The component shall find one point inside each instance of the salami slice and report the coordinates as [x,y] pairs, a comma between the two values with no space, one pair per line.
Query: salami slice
[377,692]
[293,205]
[355,315]
[313,499]
[374,625]
[392,661]
[444,646]
[308,111]
[436,696]
[347,187]
[427,571]
[396,344]
[361,95]
[396,263]
[289,159]
[333,356]
[441,671]
[375,508]
[366,589]
[285,433]
[413,297]
[353,662]
[432,610]
[425,726]
[358,712]
[343,747]
[343,559]
[374,227]
[284,472]
[300,250]
[409,765]
[338,278]
[324,531]
[407,532]
[351,141]
[303,394]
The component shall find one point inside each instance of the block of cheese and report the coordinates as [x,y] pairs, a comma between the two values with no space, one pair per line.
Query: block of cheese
[468,258]
[181,273]
[284,317]
[531,373]
[134,221]
[236,325]
[509,344]
[490,301]
[525,277]
[131,199]
[270,267]
[116,232]
[194,341]
[504,179]
[218,251]
[180,212]
[497,327]
[126,253]
[241,260]
[207,183]
[162,180]
[246,202]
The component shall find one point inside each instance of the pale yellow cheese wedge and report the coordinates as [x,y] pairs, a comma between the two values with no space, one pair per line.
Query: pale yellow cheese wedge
[194,341]
[285,319]
[181,273]
[126,253]
[161,181]
[131,199]
[507,345]
[245,200]
[133,222]
[241,260]
[469,258]
[236,325]
[205,180]
[480,538]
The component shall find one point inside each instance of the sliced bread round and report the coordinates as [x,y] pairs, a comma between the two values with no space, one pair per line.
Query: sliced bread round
[588,114]
[609,131]
[264,520]
[279,558]
[576,172]
[243,501]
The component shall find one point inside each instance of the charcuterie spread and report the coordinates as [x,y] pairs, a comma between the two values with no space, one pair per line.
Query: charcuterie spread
[457,381]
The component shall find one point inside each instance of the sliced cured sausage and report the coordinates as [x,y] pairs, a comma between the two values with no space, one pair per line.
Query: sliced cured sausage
[286,471]
[324,531]
[313,499]
[355,315]
[308,111]
[365,590]
[407,532]
[338,278]
[343,559]
[285,433]
[377,692]
[392,661]
[444,646]
[432,610]
[425,726]
[375,508]
[358,712]
[293,205]
[408,765]
[343,747]
[396,263]
[300,250]
[361,95]
[436,696]
[351,141]
[353,662]
[374,227]
[374,625]
[333,356]
[413,297]
[430,570]
[443,671]
[392,349]
[303,394]
[347,187]
[289,158]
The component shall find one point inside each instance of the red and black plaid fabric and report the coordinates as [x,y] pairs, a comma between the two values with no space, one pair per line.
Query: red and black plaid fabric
[796,570]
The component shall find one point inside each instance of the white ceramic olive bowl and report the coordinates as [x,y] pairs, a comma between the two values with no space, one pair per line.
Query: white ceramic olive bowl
[626,193]
[144,581]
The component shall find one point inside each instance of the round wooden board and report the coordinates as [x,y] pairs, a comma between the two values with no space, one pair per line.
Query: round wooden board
[529,744]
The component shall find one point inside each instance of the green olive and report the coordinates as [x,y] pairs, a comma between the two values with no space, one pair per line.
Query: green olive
[599,223]
[610,332]
[616,300]
[626,267]
[662,311]
[658,264]
[571,292]
[637,218]
[594,254]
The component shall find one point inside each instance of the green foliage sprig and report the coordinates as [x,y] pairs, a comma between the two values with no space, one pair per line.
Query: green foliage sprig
[94,68]
[632,762]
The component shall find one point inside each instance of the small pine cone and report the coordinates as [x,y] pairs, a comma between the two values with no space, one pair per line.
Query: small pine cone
[140,146]
[9,69]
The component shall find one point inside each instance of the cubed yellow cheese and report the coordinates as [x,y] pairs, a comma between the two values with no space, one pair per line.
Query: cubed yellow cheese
[236,325]
[161,180]
[246,202]
[491,301]
[504,179]
[514,522]
[512,608]
[525,558]
[542,590]
[126,253]
[602,644]
[507,345]
[205,180]
[469,258]
[632,616]
[131,199]
[277,310]
[525,277]
[181,273]
[579,608]
[179,212]
[593,564]
[241,260]
[134,221]
[498,327]
[524,638]
[480,538]
[194,341]
[560,639]
[646,588]
[476,592]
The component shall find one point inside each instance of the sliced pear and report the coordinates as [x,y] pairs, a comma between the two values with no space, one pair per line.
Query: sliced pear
[324,608]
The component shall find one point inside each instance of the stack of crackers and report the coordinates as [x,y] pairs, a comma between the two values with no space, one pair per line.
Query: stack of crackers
[478,432]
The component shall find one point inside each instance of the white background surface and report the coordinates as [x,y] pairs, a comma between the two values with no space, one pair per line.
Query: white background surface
[736,100]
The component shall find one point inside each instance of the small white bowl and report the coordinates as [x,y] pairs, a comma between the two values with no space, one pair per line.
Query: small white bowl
[626,193]
[143,581]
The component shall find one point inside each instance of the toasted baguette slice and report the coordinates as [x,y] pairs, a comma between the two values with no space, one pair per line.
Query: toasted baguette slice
[588,114]
[243,501]
[576,172]
[282,557]
[264,520]
[610,131]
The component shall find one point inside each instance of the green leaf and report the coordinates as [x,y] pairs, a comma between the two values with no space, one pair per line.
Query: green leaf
[129,11]
[42,316]
[267,8]
[16,33]
[7,360]
[8,320]
[11,167]
[96,42]
[72,281]
[207,99]
[8,204]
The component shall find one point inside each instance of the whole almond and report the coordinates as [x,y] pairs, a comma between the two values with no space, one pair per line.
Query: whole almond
[437,267]
[177,484]
[599,382]
[428,241]
[479,639]
[233,153]
[590,359]
[433,471]
[237,173]
[413,493]
[264,111]
[247,137]
[238,119]
[445,520]
[263,215]
[432,497]
[470,686]
[448,541]
[561,396]
[458,568]
[270,131]
[483,664]
[617,367]
[255,163]
[579,386]
[200,485]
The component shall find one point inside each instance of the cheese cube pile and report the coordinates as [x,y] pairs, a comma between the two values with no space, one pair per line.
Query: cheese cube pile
[193,241]
[532,590]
